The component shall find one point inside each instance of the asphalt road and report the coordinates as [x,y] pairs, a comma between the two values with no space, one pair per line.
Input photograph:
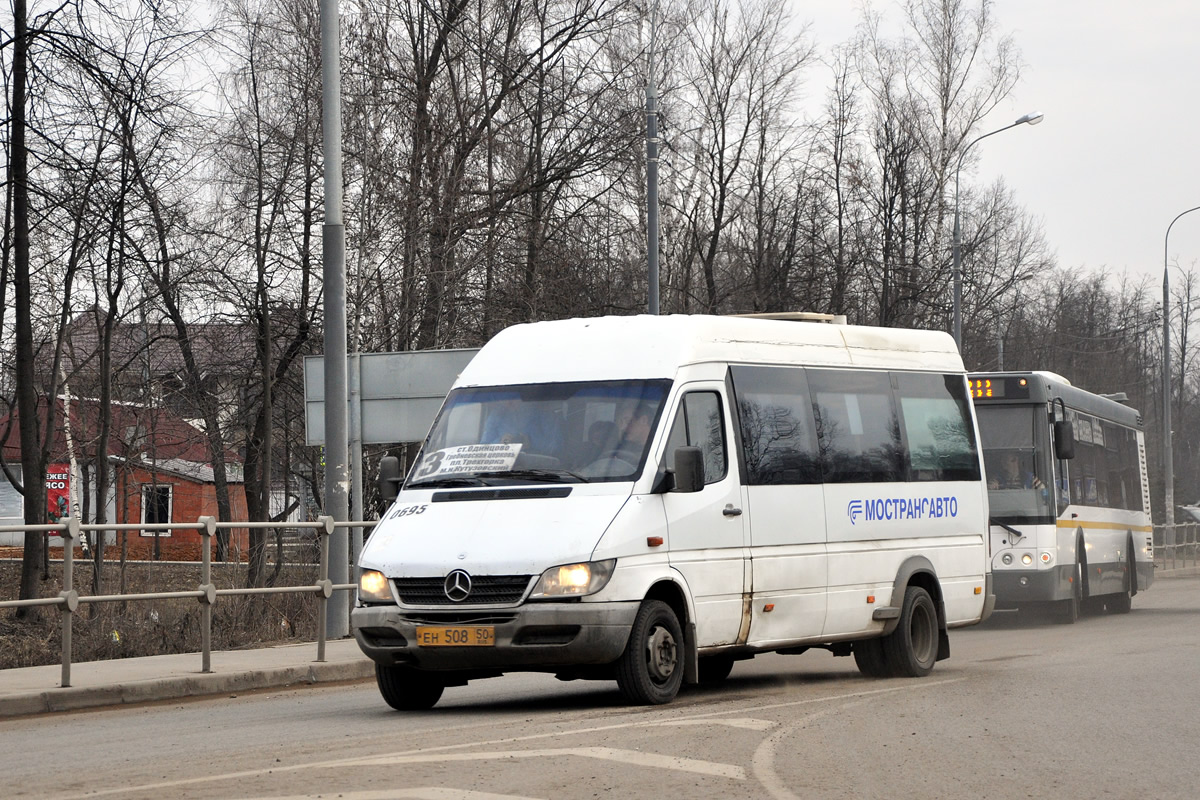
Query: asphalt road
[1023,708]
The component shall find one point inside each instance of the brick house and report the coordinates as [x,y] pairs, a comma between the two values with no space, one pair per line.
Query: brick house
[159,469]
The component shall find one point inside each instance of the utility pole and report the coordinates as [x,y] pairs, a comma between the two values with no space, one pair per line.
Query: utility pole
[333,262]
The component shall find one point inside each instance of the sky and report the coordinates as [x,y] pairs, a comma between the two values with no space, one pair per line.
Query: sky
[1117,156]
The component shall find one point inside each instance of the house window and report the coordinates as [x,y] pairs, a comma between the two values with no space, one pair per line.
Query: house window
[156,507]
[12,504]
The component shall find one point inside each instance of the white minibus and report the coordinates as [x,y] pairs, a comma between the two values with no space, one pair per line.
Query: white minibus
[650,499]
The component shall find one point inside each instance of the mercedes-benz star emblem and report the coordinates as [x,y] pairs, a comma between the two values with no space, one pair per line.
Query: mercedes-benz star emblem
[457,586]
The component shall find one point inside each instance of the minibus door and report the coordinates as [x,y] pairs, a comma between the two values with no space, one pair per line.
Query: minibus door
[706,528]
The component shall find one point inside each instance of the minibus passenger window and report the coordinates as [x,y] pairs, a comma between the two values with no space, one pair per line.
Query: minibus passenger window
[699,423]
[937,427]
[857,427]
[775,414]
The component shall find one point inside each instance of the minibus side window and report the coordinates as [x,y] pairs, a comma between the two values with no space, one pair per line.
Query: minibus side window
[857,428]
[937,426]
[779,443]
[699,423]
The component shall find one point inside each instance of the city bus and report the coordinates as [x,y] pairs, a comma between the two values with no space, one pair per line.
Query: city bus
[651,499]
[1068,496]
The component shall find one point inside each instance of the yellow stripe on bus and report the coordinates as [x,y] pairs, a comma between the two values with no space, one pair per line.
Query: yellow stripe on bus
[1079,523]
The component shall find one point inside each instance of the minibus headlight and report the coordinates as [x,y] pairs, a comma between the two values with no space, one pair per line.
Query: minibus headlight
[1026,559]
[374,587]
[574,580]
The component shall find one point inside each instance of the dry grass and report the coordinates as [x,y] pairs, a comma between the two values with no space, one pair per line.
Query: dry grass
[153,627]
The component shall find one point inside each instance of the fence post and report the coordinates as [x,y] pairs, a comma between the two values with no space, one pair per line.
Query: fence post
[68,595]
[210,592]
[325,531]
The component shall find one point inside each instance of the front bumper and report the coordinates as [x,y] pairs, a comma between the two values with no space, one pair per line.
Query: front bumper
[1018,586]
[531,637]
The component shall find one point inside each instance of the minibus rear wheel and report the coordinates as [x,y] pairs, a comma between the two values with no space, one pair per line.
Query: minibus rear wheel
[407,689]
[868,655]
[911,649]
[714,669]
[650,670]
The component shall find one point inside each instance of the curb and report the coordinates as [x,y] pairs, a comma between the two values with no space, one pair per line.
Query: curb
[77,698]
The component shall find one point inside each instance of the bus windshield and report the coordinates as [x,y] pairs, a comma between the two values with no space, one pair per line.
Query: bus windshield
[550,432]
[1015,449]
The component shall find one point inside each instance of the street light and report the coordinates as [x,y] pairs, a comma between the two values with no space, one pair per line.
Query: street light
[1029,119]
[1168,458]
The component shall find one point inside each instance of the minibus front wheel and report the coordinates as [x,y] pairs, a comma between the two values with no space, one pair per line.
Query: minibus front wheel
[650,670]
[406,689]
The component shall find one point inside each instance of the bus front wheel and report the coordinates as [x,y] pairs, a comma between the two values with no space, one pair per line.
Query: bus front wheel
[1122,603]
[1068,610]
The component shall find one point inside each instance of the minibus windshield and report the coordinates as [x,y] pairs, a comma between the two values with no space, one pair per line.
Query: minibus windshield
[542,433]
[1015,443]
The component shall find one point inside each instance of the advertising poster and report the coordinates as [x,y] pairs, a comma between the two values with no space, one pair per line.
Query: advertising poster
[58,492]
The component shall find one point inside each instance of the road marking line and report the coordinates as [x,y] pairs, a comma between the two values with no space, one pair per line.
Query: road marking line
[416,793]
[762,764]
[335,763]
[635,757]
[747,723]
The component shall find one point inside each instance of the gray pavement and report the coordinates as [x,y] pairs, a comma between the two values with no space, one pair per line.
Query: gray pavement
[38,690]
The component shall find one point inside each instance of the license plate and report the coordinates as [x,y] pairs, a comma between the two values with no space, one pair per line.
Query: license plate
[443,636]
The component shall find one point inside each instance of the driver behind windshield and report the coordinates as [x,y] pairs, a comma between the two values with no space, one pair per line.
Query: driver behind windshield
[634,424]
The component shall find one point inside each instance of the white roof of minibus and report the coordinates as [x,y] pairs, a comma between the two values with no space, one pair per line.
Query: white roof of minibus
[645,346]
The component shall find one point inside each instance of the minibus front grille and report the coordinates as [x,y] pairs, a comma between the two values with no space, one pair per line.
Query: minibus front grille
[523,493]
[459,618]
[485,589]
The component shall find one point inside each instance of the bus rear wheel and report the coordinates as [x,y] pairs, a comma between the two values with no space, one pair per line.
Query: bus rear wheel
[911,649]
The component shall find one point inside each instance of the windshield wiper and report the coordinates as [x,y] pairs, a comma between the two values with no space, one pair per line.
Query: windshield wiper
[1016,534]
[448,482]
[549,475]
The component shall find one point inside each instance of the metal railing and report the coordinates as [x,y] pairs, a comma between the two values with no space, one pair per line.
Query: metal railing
[1177,545]
[69,600]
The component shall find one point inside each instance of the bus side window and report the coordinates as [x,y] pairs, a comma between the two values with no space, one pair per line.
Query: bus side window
[699,423]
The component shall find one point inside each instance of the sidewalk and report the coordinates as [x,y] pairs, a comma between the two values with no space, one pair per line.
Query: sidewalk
[36,690]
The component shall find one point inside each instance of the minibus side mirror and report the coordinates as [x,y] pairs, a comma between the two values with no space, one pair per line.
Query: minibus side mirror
[689,469]
[1064,440]
[389,478]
